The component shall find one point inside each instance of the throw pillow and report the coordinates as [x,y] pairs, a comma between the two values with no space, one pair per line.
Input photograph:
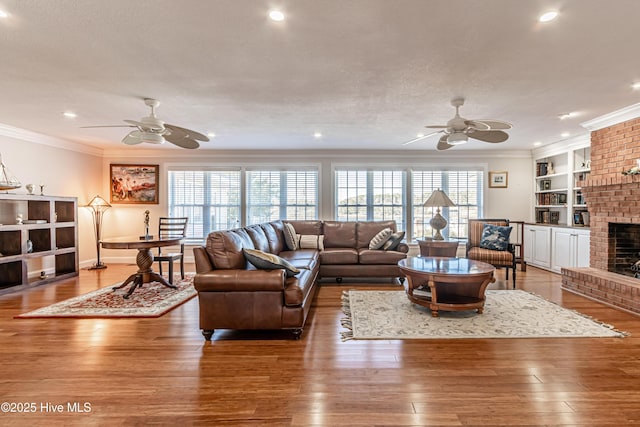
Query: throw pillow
[380,238]
[393,242]
[495,237]
[290,237]
[311,241]
[266,261]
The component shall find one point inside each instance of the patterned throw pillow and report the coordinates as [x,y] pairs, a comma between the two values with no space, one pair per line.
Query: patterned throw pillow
[290,237]
[393,242]
[380,238]
[311,241]
[266,261]
[495,237]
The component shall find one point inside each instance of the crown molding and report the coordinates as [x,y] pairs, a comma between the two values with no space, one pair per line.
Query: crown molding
[613,118]
[562,146]
[39,138]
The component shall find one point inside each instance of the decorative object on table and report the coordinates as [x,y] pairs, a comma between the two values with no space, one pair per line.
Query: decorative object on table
[634,170]
[136,184]
[42,189]
[437,200]
[389,315]
[19,219]
[152,300]
[146,235]
[499,179]
[7,180]
[29,188]
[99,206]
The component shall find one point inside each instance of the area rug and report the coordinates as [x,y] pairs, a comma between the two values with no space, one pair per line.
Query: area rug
[389,315]
[151,300]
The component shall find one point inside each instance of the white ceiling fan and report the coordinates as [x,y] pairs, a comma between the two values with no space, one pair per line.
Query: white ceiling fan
[458,130]
[152,130]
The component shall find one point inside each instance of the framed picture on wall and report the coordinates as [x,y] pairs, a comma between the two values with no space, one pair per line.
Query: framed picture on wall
[498,179]
[134,184]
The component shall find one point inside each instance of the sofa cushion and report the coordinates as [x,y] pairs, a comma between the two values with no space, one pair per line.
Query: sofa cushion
[307,226]
[290,237]
[266,261]
[310,241]
[303,259]
[376,256]
[275,234]
[394,241]
[495,237]
[380,239]
[366,230]
[339,234]
[258,237]
[225,248]
[497,258]
[339,256]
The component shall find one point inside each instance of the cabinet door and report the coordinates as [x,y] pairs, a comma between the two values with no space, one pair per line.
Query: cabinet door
[537,247]
[582,248]
[562,248]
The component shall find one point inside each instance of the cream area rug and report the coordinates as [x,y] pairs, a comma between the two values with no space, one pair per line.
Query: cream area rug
[389,315]
[151,300]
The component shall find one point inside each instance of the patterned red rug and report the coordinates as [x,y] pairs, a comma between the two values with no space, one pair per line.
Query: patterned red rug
[151,300]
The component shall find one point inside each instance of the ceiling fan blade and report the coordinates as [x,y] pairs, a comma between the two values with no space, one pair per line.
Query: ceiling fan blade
[495,124]
[191,133]
[421,137]
[489,135]
[106,126]
[133,138]
[443,144]
[436,127]
[179,137]
[477,124]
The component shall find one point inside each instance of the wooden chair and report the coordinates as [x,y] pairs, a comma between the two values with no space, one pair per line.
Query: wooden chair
[506,259]
[171,228]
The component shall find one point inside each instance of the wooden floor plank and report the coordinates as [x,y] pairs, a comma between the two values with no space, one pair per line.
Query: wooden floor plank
[161,371]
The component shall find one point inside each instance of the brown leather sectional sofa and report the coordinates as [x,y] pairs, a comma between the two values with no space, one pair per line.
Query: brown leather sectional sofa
[233,294]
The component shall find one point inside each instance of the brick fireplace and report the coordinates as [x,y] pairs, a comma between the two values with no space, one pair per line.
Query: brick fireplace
[614,204]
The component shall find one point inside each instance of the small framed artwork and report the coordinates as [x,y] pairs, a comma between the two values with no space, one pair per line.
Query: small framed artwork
[498,179]
[136,184]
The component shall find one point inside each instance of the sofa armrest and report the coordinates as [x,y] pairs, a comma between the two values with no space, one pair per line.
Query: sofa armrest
[229,280]
[201,258]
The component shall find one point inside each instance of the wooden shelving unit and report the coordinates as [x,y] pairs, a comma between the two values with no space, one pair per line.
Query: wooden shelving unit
[44,248]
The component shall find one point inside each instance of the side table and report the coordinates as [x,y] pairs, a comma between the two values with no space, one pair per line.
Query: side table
[438,248]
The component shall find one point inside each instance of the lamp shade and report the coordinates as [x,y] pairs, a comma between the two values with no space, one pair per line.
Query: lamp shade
[438,199]
[98,204]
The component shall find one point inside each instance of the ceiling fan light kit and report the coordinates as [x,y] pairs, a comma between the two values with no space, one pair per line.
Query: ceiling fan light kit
[458,130]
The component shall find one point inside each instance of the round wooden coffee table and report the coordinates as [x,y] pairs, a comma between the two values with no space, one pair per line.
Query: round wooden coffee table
[450,284]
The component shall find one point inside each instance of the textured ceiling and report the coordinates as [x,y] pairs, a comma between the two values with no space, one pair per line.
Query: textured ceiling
[365,73]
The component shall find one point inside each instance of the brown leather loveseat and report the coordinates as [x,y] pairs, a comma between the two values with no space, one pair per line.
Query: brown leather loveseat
[233,294]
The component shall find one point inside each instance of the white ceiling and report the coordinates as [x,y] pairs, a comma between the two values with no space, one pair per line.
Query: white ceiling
[367,74]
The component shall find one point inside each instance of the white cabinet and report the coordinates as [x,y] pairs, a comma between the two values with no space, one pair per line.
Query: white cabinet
[552,248]
[537,245]
[569,248]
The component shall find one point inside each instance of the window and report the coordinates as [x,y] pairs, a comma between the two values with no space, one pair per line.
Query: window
[463,187]
[211,200]
[370,195]
[273,194]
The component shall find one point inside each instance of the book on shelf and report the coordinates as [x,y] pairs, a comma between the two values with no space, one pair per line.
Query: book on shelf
[422,292]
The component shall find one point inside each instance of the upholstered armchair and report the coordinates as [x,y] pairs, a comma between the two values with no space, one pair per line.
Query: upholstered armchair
[493,249]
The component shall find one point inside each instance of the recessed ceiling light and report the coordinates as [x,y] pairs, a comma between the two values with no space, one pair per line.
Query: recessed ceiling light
[3,14]
[636,86]
[537,144]
[420,135]
[70,114]
[548,16]
[317,135]
[567,115]
[565,134]
[211,135]
[276,15]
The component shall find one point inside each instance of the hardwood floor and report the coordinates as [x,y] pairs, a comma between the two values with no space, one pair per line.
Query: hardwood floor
[161,371]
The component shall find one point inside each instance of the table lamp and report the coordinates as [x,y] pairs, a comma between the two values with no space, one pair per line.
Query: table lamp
[438,199]
[99,206]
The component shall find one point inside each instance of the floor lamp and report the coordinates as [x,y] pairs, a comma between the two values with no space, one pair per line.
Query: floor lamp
[438,199]
[99,206]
